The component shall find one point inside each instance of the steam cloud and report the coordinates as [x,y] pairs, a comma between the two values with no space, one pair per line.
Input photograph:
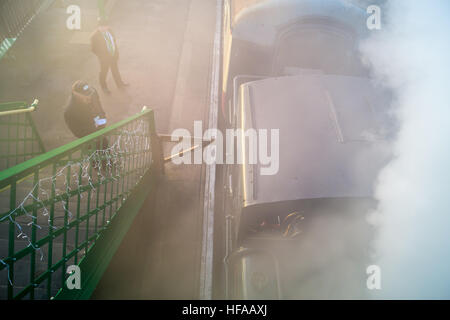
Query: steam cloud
[410,54]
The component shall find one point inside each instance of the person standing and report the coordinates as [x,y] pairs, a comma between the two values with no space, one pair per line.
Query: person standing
[84,113]
[104,46]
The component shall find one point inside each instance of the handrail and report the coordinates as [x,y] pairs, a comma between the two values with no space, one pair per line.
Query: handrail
[31,108]
[25,168]
[19,138]
[15,17]
[72,206]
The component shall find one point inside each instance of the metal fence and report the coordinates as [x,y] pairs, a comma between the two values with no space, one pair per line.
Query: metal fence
[15,15]
[19,139]
[72,206]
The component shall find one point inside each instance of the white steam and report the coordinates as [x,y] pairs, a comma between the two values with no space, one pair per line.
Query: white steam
[411,55]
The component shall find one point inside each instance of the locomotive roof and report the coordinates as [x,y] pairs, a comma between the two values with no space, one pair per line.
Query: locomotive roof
[334,134]
[259,20]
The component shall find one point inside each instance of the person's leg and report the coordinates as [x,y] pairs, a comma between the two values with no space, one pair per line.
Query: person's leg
[116,74]
[104,68]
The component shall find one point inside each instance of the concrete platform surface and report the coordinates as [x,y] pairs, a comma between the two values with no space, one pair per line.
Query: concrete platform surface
[165,54]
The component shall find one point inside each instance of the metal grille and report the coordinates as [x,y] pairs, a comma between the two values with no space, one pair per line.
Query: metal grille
[15,15]
[19,139]
[56,206]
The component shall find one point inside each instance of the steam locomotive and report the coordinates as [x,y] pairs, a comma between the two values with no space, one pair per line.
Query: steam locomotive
[295,66]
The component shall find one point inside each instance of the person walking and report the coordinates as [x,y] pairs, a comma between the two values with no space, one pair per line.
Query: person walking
[104,46]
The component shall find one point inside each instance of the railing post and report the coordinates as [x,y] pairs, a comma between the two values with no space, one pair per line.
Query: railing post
[11,238]
[101,9]
[156,145]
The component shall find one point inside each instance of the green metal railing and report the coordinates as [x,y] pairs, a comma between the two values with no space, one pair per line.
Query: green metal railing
[72,206]
[101,9]
[15,16]
[19,139]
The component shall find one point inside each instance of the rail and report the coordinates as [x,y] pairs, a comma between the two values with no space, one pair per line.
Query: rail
[19,138]
[15,16]
[72,206]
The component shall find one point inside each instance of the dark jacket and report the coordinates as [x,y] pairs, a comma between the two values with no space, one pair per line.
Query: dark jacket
[99,47]
[80,112]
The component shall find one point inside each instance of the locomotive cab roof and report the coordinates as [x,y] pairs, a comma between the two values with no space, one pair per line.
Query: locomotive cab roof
[334,134]
[260,21]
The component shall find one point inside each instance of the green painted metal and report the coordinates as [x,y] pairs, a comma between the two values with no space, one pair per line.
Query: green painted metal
[15,16]
[101,9]
[74,184]
[19,138]
[6,44]
[95,264]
